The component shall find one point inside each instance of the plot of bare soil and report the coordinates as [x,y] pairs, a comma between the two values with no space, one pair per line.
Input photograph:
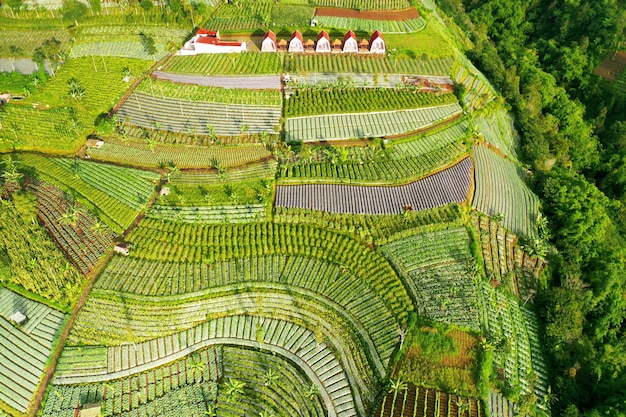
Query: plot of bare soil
[612,66]
[369,14]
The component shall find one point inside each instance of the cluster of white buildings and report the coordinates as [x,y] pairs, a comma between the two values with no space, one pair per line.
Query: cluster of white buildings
[209,42]
[376,43]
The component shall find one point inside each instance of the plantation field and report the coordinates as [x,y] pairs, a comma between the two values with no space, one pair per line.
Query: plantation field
[500,189]
[226,64]
[365,4]
[199,117]
[14,43]
[365,125]
[498,131]
[183,156]
[193,93]
[445,187]
[305,102]
[440,271]
[123,48]
[59,123]
[251,82]
[24,350]
[366,25]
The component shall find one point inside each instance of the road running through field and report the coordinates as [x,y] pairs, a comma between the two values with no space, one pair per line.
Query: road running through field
[260,82]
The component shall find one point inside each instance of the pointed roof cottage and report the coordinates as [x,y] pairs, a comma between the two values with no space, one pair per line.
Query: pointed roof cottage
[295,43]
[349,42]
[377,44]
[269,42]
[323,42]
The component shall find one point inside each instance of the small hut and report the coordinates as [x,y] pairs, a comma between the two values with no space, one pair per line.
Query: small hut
[337,45]
[323,42]
[377,44]
[90,410]
[309,45]
[364,45]
[349,42]
[269,42]
[165,191]
[94,143]
[122,248]
[295,43]
[18,318]
[282,45]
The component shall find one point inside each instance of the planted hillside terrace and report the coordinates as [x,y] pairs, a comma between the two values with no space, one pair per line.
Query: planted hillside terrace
[445,187]
[252,82]
[203,118]
[350,63]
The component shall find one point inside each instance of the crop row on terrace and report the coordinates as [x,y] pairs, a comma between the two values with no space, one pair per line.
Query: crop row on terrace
[309,102]
[205,118]
[24,351]
[498,131]
[426,402]
[326,280]
[77,231]
[128,49]
[225,64]
[438,267]
[213,214]
[445,187]
[34,39]
[385,26]
[152,392]
[364,125]
[115,195]
[500,190]
[324,63]
[250,82]
[256,172]
[183,156]
[362,4]
[198,93]
[273,385]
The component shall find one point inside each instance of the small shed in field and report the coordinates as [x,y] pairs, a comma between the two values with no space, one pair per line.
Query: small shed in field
[282,45]
[309,45]
[323,42]
[269,42]
[364,45]
[122,248]
[18,318]
[296,43]
[377,43]
[349,42]
[94,143]
[337,45]
[164,191]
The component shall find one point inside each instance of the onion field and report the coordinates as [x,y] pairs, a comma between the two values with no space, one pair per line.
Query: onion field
[213,214]
[366,125]
[251,82]
[385,26]
[325,63]
[445,187]
[128,49]
[226,64]
[24,351]
[427,402]
[365,4]
[500,189]
[440,271]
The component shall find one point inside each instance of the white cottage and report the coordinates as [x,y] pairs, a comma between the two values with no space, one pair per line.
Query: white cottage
[269,42]
[349,42]
[209,42]
[323,42]
[377,44]
[295,43]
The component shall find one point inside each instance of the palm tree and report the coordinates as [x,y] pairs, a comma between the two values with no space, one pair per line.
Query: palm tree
[234,388]
[211,410]
[196,366]
[270,378]
[463,407]
[396,387]
[311,392]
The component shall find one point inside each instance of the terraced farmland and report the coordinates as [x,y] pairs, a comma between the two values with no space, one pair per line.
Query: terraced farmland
[385,26]
[448,186]
[440,271]
[366,125]
[24,350]
[178,115]
[500,189]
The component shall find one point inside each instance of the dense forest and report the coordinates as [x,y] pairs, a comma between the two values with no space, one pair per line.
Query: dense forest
[541,54]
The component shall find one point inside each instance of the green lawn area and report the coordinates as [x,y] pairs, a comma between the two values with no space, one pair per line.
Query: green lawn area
[427,42]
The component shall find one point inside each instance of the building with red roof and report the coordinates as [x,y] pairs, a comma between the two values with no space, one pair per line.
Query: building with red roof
[209,42]
[323,42]
[296,43]
[377,43]
[269,42]
[349,42]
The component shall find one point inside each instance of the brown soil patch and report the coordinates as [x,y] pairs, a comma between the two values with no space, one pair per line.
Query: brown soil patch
[465,356]
[612,66]
[369,14]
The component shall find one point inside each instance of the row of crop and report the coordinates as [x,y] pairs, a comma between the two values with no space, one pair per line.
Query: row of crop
[27,44]
[308,102]
[213,214]
[365,4]
[155,240]
[183,156]
[498,130]
[327,280]
[390,170]
[128,49]
[113,211]
[226,64]
[203,118]
[367,25]
[260,171]
[193,93]
[272,385]
[365,125]
[514,201]
[440,271]
[445,187]
[413,401]
[478,91]
[36,262]
[77,231]
[335,63]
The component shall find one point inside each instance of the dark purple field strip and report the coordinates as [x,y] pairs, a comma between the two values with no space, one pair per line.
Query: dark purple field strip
[259,82]
[448,186]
